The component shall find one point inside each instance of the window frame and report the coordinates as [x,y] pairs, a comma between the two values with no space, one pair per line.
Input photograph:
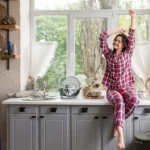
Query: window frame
[71,15]
[138,12]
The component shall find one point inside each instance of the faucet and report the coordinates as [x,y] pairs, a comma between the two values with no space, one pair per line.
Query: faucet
[44,94]
[36,90]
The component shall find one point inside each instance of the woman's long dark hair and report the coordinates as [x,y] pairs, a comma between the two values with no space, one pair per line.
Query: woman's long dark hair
[124,41]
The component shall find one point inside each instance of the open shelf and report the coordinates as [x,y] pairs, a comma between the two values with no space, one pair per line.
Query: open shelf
[9,27]
[8,57]
[4,56]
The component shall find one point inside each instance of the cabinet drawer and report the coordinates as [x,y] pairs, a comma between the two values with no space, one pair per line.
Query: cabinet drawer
[22,109]
[54,109]
[85,109]
[142,110]
[108,110]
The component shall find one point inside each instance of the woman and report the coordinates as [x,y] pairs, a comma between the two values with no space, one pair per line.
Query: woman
[119,77]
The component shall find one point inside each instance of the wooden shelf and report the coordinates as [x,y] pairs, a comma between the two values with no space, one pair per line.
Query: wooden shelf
[4,56]
[9,27]
[8,57]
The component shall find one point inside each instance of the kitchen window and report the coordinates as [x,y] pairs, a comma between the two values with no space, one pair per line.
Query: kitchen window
[70,30]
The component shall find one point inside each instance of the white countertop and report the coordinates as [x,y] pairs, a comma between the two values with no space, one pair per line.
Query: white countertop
[77,101]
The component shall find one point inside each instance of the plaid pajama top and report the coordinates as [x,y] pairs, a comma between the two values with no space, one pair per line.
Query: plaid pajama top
[118,73]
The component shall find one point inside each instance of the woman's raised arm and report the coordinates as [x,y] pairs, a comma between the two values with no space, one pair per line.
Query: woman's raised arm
[131,37]
[103,39]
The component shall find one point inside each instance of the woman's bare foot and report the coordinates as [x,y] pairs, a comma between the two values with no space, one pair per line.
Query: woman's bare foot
[121,142]
[120,137]
[115,132]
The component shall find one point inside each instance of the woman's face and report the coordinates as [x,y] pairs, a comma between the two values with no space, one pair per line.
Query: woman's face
[117,43]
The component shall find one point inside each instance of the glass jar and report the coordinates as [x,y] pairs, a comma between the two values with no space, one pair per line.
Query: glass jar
[13,49]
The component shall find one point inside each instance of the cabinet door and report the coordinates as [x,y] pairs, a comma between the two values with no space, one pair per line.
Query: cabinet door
[86,132]
[54,132]
[23,132]
[141,123]
[109,141]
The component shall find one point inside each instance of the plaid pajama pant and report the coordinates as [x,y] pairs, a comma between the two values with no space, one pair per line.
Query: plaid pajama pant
[124,102]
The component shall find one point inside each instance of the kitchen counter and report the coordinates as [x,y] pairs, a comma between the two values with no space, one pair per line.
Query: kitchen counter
[70,123]
[77,101]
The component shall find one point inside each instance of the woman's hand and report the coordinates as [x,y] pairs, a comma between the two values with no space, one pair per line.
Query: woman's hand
[131,13]
[122,31]
[133,17]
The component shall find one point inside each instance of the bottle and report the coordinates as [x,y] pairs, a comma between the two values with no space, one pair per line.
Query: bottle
[13,49]
[9,47]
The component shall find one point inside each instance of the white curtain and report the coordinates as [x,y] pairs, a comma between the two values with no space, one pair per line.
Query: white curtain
[41,57]
[141,56]
[141,60]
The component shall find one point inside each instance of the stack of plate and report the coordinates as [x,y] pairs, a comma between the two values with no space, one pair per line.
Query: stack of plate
[70,87]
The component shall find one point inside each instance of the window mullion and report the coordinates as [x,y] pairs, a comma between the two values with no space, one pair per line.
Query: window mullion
[71,47]
[148,27]
[91,4]
[32,30]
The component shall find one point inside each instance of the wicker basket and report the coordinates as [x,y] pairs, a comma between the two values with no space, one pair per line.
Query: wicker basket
[84,91]
[3,12]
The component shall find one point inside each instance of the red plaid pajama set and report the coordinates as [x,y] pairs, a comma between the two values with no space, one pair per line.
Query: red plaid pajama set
[119,78]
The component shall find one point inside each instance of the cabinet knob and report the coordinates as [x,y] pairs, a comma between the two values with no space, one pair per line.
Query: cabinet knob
[41,116]
[22,109]
[96,117]
[84,110]
[135,118]
[53,109]
[33,116]
[104,117]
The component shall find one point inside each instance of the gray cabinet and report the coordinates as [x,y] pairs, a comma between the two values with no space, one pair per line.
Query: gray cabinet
[86,128]
[86,132]
[71,127]
[54,132]
[141,124]
[109,142]
[23,132]
[141,120]
[23,127]
[47,128]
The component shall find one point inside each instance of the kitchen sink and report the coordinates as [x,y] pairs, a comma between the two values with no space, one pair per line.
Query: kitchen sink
[40,98]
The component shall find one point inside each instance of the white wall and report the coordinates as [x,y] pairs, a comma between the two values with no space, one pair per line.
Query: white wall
[14,80]
[25,41]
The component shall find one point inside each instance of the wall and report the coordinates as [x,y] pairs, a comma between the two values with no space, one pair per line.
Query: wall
[25,41]
[14,80]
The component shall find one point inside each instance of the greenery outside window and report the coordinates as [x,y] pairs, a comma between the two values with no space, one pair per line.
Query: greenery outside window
[76,26]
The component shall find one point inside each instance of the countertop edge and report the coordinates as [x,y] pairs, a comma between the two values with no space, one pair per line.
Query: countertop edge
[78,101]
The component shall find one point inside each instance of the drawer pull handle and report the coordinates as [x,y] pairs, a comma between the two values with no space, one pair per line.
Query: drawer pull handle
[96,117]
[147,110]
[22,109]
[33,116]
[84,110]
[41,116]
[53,109]
[104,117]
[136,118]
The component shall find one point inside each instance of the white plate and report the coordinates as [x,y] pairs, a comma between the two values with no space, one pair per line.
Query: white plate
[72,81]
